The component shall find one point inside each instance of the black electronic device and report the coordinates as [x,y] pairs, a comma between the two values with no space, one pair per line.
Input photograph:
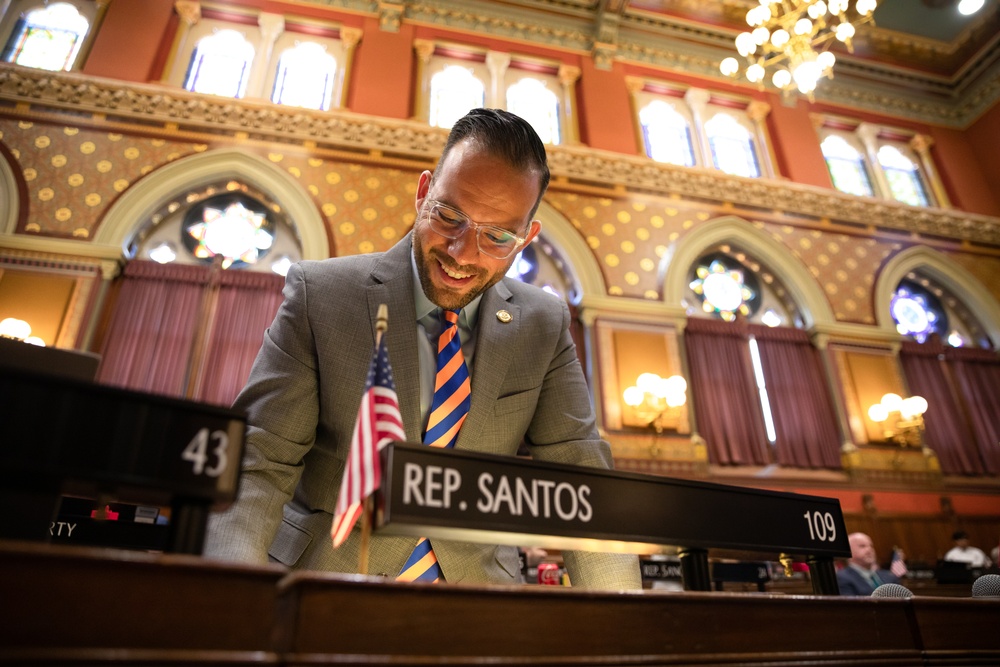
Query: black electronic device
[76,438]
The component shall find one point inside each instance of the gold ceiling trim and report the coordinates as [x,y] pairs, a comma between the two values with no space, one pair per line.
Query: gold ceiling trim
[149,108]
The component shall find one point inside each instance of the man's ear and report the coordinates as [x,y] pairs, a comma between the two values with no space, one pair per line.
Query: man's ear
[536,226]
[423,187]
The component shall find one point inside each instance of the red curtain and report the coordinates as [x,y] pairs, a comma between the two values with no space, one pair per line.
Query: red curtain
[246,305]
[726,403]
[805,423]
[977,375]
[946,429]
[153,326]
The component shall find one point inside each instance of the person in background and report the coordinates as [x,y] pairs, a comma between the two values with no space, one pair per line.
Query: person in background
[862,574]
[963,552]
[445,280]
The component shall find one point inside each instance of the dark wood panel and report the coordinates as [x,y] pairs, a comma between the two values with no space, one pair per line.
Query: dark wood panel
[62,605]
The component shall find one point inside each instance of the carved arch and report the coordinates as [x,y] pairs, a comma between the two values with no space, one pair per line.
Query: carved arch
[947,273]
[805,291]
[141,200]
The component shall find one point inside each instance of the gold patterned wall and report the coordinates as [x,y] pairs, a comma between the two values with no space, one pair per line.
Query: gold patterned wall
[73,174]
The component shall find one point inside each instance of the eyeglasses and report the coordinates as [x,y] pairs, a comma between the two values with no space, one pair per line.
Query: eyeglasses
[451,223]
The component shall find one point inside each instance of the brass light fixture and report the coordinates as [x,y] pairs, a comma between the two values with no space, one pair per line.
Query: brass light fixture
[789,41]
[902,419]
[653,398]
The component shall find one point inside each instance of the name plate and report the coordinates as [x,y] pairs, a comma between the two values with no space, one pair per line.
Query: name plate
[503,500]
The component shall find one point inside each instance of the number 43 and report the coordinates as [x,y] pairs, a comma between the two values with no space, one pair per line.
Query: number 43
[197,452]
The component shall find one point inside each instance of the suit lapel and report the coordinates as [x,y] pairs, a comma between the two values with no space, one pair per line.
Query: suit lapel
[393,286]
[495,351]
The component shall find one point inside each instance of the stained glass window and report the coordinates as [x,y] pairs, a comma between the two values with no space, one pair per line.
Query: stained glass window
[540,264]
[667,134]
[305,77]
[220,65]
[847,166]
[454,92]
[48,38]
[725,287]
[917,312]
[732,146]
[234,228]
[903,176]
[533,101]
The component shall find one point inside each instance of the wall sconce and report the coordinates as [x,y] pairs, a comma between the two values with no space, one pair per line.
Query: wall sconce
[653,397]
[902,418]
[19,330]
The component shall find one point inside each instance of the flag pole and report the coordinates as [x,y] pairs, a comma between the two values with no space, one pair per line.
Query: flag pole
[381,326]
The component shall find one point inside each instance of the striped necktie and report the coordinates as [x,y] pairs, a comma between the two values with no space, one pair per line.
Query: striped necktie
[449,408]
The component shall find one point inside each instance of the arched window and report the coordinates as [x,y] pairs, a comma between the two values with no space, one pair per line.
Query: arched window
[847,166]
[540,264]
[454,92]
[903,176]
[667,134]
[229,223]
[305,77]
[532,100]
[732,146]
[920,307]
[48,38]
[220,65]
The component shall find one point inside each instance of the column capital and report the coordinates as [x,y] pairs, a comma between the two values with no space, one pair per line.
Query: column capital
[497,62]
[424,49]
[271,25]
[922,144]
[568,75]
[188,10]
[350,37]
[758,110]
[697,97]
[634,84]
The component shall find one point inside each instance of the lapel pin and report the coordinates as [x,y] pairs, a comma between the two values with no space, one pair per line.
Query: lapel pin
[504,316]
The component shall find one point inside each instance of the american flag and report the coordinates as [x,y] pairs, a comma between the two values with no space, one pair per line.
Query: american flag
[379,422]
[897,565]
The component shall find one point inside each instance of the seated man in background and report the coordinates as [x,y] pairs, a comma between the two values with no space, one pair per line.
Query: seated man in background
[862,575]
[962,552]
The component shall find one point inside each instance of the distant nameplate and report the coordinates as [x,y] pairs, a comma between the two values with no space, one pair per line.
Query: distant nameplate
[504,500]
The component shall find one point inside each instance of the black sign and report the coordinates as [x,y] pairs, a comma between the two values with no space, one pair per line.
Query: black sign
[504,500]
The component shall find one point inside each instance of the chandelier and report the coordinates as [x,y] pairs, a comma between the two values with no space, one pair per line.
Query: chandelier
[790,40]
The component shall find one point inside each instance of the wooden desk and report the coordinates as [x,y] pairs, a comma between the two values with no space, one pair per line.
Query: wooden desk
[64,605]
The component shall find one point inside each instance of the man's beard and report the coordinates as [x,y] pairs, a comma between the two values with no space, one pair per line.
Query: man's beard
[444,297]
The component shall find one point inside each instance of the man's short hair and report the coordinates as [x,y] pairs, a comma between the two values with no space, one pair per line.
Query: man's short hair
[506,136]
[959,535]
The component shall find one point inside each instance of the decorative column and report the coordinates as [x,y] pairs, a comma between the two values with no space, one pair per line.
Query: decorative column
[569,124]
[271,27]
[349,38]
[635,85]
[110,269]
[868,134]
[189,12]
[497,63]
[849,456]
[921,143]
[757,111]
[424,49]
[697,100]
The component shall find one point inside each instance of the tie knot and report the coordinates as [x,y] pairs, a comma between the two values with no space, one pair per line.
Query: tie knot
[450,317]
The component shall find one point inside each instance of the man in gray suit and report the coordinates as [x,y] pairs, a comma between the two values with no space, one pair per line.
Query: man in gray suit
[527,384]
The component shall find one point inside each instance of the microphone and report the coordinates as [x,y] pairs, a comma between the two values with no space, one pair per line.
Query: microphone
[892,591]
[986,586]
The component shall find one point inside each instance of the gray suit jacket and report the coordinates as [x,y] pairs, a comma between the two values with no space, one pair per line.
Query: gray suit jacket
[302,400]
